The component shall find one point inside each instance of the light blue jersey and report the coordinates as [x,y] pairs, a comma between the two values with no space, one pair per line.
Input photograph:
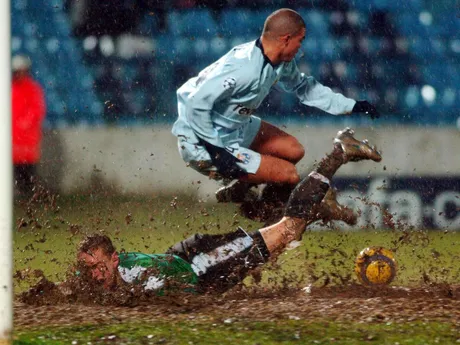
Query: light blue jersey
[218,105]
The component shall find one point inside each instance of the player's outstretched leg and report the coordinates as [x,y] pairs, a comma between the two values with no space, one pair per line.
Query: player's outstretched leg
[329,209]
[346,149]
[222,261]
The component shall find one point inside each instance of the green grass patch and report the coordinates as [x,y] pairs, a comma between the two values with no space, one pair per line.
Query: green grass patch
[46,238]
[267,333]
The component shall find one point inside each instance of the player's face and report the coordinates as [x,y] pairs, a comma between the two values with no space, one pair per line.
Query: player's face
[293,44]
[101,266]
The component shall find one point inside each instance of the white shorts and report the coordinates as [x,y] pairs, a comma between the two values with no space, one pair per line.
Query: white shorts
[200,160]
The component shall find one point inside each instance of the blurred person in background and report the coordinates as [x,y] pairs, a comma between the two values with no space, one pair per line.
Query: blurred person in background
[115,17]
[205,263]
[219,136]
[28,112]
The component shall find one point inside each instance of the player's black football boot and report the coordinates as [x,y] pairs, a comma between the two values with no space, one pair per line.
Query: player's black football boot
[330,209]
[355,150]
[236,191]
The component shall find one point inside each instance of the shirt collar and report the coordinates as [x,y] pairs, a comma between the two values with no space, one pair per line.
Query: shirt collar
[259,45]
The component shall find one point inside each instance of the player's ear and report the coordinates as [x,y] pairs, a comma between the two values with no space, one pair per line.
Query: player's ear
[284,39]
[115,259]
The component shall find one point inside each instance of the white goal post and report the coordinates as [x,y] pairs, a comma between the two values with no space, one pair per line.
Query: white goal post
[6,178]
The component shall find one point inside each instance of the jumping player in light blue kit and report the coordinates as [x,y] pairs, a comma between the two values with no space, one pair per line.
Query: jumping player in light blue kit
[219,136]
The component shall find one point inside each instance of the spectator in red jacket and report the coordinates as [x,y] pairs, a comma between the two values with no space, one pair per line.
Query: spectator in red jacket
[28,111]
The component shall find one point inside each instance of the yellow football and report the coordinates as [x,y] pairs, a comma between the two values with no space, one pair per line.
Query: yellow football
[375,266]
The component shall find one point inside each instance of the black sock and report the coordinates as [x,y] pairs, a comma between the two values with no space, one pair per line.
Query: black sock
[331,163]
[308,193]
[277,192]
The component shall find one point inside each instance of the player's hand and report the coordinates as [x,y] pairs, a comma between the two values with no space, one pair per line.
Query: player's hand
[367,108]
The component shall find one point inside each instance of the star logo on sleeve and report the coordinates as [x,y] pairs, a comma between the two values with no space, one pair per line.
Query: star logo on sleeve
[229,83]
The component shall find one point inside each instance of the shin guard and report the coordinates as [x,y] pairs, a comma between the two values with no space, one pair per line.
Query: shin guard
[308,193]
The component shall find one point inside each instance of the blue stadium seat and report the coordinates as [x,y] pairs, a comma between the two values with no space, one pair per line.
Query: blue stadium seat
[330,49]
[41,29]
[182,50]
[440,75]
[130,72]
[218,46]
[411,104]
[398,6]
[147,26]
[18,23]
[361,5]
[375,45]
[16,44]
[317,23]
[362,21]
[352,72]
[242,22]
[387,5]
[62,25]
[86,81]
[37,5]
[454,47]
[192,23]
[444,23]
[312,49]
[163,46]
[96,109]
[439,47]
[201,48]
[30,29]
[346,45]
[428,48]
[47,28]
[449,98]
[446,106]
[408,24]
[55,109]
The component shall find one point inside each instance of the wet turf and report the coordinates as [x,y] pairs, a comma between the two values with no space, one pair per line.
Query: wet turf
[227,332]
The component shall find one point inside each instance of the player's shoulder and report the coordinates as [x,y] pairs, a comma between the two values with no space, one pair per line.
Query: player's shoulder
[130,259]
[246,56]
[245,62]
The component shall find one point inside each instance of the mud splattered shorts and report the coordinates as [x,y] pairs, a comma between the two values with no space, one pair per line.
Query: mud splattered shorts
[199,159]
[222,261]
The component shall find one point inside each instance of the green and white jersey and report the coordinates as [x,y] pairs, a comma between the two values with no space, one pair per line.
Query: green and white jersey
[156,271]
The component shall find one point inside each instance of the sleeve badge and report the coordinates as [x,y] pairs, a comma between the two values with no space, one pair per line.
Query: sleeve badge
[229,83]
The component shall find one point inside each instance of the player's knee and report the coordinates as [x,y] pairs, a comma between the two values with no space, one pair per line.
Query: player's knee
[291,175]
[296,151]
[299,153]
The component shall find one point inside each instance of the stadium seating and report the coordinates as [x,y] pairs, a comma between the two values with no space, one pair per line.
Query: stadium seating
[42,31]
[419,48]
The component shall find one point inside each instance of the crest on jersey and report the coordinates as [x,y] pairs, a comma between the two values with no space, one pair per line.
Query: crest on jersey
[244,157]
[229,83]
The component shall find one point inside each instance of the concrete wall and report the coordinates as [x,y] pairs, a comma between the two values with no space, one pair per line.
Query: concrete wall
[146,160]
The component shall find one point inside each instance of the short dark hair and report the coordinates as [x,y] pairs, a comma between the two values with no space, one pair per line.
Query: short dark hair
[97,241]
[283,21]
